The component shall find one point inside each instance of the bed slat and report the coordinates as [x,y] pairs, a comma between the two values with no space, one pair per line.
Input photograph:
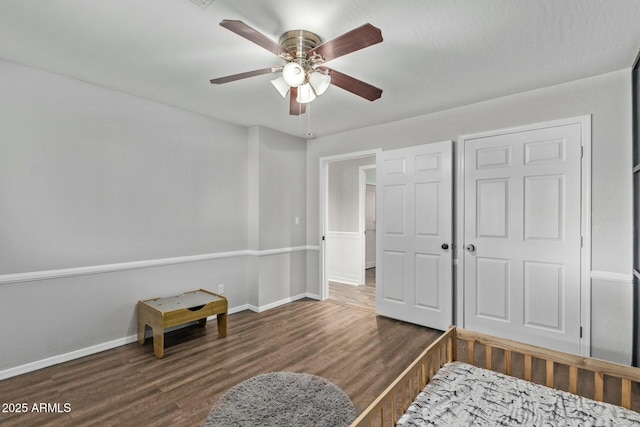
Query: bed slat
[573,380]
[550,367]
[527,367]
[626,394]
[598,386]
[453,350]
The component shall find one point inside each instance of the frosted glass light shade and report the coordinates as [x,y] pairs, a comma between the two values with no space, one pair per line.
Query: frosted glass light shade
[293,74]
[319,81]
[281,86]
[305,94]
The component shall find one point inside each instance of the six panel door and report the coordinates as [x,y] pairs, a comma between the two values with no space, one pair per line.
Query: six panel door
[522,222]
[414,247]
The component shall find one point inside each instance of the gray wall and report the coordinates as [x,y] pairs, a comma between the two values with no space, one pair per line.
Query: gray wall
[343,193]
[607,98]
[278,190]
[107,199]
[92,176]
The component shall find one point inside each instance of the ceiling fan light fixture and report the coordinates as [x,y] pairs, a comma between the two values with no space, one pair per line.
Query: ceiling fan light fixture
[293,74]
[281,86]
[319,81]
[304,77]
[305,94]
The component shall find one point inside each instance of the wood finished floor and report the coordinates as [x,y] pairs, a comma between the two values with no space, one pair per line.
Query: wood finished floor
[363,297]
[127,386]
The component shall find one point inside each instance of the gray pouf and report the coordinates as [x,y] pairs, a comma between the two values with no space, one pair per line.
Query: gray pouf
[283,399]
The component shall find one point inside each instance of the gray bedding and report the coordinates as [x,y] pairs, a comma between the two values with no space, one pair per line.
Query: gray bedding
[465,395]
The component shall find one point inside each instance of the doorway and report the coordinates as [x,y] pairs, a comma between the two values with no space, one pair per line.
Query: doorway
[344,276]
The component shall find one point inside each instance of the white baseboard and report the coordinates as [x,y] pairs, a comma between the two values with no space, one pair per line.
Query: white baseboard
[345,280]
[233,310]
[61,358]
[281,302]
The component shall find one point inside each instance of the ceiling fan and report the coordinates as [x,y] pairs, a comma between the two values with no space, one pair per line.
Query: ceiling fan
[304,76]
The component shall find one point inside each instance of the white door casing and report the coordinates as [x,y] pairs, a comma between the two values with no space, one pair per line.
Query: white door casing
[414,234]
[522,234]
[370,226]
[323,164]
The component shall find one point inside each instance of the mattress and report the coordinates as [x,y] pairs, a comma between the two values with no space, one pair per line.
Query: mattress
[462,394]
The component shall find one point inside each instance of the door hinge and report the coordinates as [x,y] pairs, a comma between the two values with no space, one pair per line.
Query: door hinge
[323,238]
[581,151]
[580,331]
[581,242]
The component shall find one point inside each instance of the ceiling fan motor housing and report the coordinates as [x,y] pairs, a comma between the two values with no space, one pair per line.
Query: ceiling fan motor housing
[299,42]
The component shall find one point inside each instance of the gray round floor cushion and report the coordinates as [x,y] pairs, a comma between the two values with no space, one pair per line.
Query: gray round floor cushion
[283,399]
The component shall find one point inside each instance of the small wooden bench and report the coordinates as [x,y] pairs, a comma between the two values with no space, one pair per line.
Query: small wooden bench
[163,313]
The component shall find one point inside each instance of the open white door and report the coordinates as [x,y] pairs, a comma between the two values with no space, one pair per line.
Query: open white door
[414,236]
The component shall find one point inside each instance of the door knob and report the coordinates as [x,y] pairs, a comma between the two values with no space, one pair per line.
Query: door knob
[445,246]
[471,248]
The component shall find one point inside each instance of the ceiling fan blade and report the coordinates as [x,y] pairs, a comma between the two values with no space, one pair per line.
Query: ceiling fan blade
[354,40]
[240,76]
[295,108]
[353,85]
[243,30]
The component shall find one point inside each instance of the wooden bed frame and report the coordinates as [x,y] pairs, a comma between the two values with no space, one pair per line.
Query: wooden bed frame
[584,376]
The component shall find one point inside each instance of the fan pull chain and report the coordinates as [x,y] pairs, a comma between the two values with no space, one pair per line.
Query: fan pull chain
[309,120]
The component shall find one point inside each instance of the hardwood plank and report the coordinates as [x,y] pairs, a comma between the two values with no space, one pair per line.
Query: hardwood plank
[357,350]
[363,297]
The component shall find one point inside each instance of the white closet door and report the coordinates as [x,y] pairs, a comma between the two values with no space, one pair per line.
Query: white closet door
[414,247]
[522,211]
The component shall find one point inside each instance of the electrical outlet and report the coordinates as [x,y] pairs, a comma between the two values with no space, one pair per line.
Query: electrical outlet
[221,289]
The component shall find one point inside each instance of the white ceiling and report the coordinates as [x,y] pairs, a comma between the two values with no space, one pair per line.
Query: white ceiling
[436,54]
